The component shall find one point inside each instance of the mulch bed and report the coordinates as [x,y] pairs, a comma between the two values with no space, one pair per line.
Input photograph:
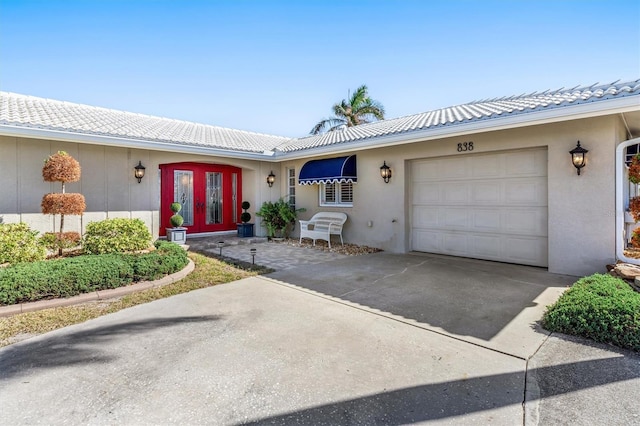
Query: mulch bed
[346,249]
[632,253]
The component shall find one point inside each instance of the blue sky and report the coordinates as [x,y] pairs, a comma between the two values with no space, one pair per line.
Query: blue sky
[277,66]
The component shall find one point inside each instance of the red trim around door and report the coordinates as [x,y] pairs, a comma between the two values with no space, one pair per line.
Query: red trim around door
[211,195]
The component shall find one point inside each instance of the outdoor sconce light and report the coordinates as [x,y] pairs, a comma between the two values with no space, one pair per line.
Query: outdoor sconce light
[579,157]
[385,172]
[270,179]
[139,171]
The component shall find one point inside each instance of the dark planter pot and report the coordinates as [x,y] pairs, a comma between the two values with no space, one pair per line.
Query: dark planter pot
[245,230]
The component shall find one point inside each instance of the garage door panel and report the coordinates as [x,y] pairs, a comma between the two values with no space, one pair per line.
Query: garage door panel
[426,194]
[526,163]
[454,193]
[522,250]
[489,168]
[454,218]
[486,246]
[426,217]
[498,212]
[528,222]
[424,171]
[532,192]
[455,243]
[429,241]
[453,168]
[486,220]
[489,192]
[526,251]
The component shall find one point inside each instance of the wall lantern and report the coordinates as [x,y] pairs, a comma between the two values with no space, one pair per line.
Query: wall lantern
[139,171]
[385,172]
[579,157]
[270,179]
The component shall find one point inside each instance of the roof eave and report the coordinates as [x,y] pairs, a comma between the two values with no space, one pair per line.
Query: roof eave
[49,134]
[543,116]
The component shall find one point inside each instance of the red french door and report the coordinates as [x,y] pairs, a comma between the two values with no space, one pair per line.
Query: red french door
[210,195]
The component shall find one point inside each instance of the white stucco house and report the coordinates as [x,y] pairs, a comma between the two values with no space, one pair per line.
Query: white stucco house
[491,179]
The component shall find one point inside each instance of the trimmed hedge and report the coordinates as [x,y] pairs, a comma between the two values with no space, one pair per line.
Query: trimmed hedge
[599,307]
[18,243]
[117,235]
[28,282]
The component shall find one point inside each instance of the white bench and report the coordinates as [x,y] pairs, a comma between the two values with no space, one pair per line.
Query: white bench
[322,226]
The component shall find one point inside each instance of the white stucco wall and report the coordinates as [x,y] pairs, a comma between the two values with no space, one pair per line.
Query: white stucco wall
[581,224]
[581,208]
[107,182]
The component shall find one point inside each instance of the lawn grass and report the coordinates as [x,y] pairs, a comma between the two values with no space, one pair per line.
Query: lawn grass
[208,272]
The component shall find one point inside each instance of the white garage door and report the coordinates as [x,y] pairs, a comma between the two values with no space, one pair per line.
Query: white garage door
[484,206]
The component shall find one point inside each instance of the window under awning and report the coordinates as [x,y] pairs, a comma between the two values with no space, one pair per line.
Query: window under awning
[329,170]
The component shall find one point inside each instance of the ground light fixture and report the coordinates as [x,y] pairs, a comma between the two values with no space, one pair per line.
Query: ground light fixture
[578,157]
[271,179]
[385,172]
[138,171]
[253,256]
[220,245]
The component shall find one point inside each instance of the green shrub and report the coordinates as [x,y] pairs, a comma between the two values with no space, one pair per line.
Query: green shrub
[18,243]
[55,241]
[599,307]
[116,236]
[67,277]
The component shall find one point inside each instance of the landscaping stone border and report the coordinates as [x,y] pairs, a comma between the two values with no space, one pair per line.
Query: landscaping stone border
[20,308]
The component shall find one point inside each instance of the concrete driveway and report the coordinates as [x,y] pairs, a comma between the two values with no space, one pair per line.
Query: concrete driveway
[491,304]
[265,351]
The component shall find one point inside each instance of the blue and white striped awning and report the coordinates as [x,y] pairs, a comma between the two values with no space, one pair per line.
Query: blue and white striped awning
[329,170]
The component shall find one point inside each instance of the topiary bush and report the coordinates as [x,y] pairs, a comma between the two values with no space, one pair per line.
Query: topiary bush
[176,220]
[116,236]
[18,243]
[599,307]
[68,277]
[63,168]
[245,216]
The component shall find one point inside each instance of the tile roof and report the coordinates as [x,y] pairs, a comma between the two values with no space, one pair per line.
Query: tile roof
[32,112]
[28,111]
[472,112]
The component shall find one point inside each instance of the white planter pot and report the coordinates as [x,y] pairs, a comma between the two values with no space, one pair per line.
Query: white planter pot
[628,217]
[177,235]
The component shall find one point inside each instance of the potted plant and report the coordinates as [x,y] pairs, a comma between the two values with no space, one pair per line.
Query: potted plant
[245,229]
[177,234]
[278,218]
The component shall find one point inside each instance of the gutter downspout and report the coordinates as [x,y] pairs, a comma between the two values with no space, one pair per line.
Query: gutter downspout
[620,208]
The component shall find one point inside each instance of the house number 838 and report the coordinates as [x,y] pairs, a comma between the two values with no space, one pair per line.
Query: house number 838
[465,146]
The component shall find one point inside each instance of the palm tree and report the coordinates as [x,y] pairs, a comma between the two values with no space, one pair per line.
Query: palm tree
[358,109]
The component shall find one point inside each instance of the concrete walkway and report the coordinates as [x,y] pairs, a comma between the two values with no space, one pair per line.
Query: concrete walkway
[353,341]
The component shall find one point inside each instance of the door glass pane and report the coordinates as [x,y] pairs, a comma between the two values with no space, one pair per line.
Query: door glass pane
[234,194]
[183,194]
[214,198]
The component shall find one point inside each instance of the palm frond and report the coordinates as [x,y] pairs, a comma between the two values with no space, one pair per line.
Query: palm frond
[358,109]
[359,97]
[327,125]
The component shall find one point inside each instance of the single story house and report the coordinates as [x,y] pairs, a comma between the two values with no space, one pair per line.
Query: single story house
[491,179]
